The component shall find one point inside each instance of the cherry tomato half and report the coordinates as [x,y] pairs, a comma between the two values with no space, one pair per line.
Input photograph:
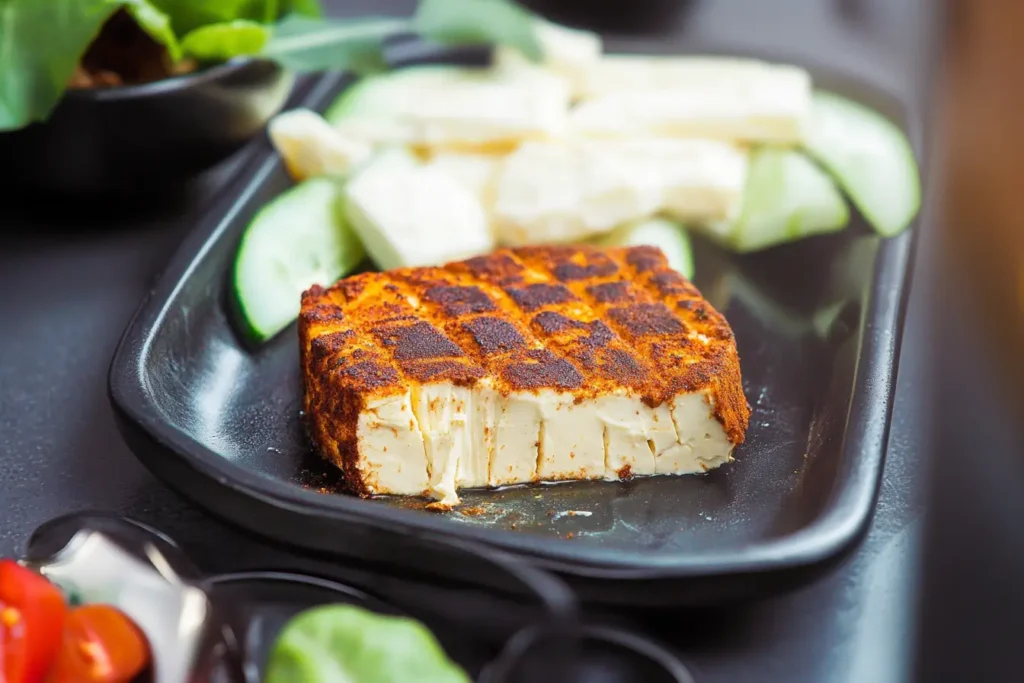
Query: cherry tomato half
[32,614]
[100,645]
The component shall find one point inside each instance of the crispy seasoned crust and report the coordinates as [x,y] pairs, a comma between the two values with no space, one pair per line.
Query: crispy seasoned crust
[576,318]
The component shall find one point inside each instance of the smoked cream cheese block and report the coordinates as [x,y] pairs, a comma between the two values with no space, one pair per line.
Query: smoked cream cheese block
[544,363]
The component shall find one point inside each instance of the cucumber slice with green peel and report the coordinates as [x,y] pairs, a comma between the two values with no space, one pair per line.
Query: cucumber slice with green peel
[870,158]
[667,235]
[299,239]
[393,92]
[446,106]
[787,198]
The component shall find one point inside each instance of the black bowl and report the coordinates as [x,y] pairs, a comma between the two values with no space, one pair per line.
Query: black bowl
[149,136]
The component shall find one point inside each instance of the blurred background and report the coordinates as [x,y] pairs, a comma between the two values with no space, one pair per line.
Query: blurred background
[963,57]
[971,625]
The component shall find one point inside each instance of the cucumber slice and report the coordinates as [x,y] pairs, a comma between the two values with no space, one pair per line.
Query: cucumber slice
[299,239]
[482,109]
[787,198]
[667,235]
[393,92]
[870,158]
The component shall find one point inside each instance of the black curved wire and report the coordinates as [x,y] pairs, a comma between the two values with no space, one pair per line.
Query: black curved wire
[503,668]
[643,646]
[54,534]
[236,664]
[553,593]
[559,627]
[559,609]
[560,624]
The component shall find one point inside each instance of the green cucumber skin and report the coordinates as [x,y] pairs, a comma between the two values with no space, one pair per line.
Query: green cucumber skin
[308,196]
[778,210]
[240,315]
[344,104]
[245,316]
[860,179]
[353,101]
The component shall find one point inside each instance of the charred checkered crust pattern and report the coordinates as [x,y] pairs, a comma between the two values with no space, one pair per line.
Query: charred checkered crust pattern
[579,319]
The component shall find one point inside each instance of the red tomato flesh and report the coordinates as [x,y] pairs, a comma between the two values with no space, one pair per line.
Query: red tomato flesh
[100,645]
[32,613]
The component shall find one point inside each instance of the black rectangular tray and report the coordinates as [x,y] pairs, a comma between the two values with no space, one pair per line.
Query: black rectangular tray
[818,327]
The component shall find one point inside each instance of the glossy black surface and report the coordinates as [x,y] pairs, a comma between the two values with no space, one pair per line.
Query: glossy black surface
[53,536]
[142,137]
[249,610]
[607,655]
[60,450]
[259,605]
[614,15]
[220,421]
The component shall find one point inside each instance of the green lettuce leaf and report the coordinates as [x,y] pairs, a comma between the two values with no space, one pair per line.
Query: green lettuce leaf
[221,42]
[41,42]
[347,643]
[305,44]
[306,8]
[478,22]
[156,23]
[188,15]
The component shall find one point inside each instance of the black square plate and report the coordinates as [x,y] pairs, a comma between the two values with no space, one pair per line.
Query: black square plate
[818,328]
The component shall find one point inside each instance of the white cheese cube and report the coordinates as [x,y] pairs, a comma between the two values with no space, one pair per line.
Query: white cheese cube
[408,214]
[566,52]
[312,147]
[724,98]
[573,190]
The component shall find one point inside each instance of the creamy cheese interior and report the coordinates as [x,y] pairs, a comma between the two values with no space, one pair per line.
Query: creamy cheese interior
[439,438]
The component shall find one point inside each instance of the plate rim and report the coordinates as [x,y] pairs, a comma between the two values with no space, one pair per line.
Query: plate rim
[834,529]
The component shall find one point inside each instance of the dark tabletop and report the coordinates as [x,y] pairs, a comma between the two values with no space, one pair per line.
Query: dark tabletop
[68,286]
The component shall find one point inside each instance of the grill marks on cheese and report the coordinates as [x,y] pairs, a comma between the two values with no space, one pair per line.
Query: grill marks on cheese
[538,363]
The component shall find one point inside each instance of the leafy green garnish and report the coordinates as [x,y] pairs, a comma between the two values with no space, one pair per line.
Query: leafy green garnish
[478,22]
[156,23]
[305,44]
[42,41]
[346,644]
[306,8]
[220,42]
[188,15]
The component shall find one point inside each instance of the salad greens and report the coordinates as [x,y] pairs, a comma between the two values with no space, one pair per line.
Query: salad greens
[155,22]
[305,44]
[346,644]
[220,42]
[37,59]
[188,15]
[44,40]
[478,22]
